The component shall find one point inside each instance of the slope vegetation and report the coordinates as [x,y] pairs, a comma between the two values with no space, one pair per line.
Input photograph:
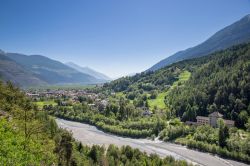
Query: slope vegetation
[218,82]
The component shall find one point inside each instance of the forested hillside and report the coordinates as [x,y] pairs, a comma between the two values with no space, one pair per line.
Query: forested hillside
[221,83]
[218,82]
[29,136]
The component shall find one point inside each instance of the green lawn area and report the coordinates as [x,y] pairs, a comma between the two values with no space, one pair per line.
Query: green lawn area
[184,76]
[158,102]
[119,94]
[40,104]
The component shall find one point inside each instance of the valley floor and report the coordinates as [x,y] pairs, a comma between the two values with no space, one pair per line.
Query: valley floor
[90,135]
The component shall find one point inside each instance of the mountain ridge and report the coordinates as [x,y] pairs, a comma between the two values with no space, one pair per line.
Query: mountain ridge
[236,33]
[89,71]
[39,70]
[11,71]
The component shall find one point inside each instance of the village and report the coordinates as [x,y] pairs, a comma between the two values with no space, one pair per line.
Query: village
[98,101]
[69,97]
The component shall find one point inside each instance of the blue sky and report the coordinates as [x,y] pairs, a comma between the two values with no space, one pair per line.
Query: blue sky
[116,37]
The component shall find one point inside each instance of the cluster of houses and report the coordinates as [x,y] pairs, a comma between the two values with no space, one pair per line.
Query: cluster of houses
[56,93]
[72,94]
[211,120]
[98,102]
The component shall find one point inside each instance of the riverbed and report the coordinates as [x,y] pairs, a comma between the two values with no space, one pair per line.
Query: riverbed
[90,135]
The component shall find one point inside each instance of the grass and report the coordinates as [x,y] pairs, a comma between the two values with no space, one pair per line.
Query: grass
[184,76]
[120,94]
[40,104]
[158,102]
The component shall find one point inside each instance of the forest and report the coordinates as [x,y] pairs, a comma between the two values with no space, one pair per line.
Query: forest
[30,136]
[218,82]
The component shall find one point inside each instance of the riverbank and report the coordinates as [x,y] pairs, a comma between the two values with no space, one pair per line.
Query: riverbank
[90,135]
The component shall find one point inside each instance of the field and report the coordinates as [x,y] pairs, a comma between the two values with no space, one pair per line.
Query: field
[159,101]
[184,76]
[40,104]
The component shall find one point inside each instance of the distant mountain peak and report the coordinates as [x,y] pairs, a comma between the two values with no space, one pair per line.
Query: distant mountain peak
[43,70]
[236,33]
[89,71]
[248,16]
[2,52]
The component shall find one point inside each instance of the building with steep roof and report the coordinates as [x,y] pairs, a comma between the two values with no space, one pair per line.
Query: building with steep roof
[211,120]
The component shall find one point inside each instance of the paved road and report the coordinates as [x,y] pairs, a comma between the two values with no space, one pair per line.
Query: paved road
[90,135]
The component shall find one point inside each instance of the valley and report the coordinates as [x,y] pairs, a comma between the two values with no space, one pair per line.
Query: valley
[191,108]
[90,135]
[175,104]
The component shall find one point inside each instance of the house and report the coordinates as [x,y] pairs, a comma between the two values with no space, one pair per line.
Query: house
[202,120]
[210,120]
[92,105]
[104,103]
[229,123]
[32,94]
[213,118]
[146,111]
[2,113]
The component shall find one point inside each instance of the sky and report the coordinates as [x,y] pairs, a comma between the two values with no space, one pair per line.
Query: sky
[115,37]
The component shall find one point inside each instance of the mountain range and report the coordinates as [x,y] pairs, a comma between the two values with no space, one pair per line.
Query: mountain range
[236,33]
[38,70]
[88,71]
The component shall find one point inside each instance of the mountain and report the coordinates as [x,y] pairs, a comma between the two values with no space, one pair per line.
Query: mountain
[217,82]
[11,71]
[236,33]
[88,71]
[41,70]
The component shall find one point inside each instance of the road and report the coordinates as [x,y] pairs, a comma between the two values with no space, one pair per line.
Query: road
[90,135]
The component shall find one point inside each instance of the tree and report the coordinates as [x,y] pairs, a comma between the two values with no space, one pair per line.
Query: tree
[153,94]
[247,125]
[96,153]
[223,133]
[243,117]
[64,147]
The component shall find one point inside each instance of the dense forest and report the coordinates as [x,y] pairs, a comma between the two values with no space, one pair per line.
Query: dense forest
[29,136]
[221,83]
[218,82]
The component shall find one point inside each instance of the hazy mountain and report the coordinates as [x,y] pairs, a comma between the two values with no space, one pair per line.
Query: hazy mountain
[11,71]
[51,71]
[236,33]
[88,71]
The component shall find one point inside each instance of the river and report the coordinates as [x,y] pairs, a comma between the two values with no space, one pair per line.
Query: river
[90,135]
